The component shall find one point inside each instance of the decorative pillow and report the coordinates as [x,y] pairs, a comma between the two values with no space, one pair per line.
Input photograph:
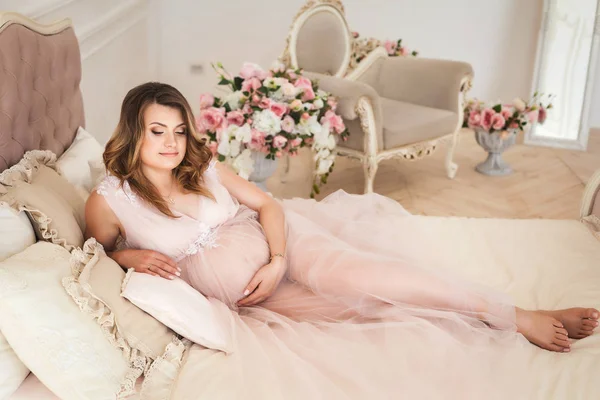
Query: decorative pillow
[53,204]
[96,286]
[81,164]
[207,322]
[16,232]
[12,370]
[61,346]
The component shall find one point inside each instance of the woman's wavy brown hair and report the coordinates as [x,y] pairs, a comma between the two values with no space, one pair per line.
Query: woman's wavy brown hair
[122,152]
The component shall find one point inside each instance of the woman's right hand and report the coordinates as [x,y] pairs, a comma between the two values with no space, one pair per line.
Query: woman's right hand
[148,262]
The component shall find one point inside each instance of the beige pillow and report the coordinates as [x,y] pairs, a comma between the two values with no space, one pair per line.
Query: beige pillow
[96,287]
[52,203]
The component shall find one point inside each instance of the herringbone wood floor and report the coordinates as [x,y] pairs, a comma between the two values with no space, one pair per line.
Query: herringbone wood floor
[546,183]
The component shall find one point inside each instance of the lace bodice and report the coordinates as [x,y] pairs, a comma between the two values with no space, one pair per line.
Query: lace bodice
[147,228]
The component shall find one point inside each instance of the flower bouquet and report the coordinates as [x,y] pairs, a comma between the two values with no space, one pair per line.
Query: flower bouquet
[273,113]
[497,124]
[361,47]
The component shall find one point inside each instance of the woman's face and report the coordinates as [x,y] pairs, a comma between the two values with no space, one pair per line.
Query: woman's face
[165,138]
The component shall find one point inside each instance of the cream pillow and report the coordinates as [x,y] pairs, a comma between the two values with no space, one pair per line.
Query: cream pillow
[205,321]
[62,346]
[16,231]
[81,164]
[53,204]
[12,370]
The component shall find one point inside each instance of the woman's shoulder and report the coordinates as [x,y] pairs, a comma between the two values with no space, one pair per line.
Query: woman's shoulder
[113,187]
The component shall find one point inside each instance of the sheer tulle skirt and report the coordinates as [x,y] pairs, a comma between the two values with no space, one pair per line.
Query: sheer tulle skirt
[361,313]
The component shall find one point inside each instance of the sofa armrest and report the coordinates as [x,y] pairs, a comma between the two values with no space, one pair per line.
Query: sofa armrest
[428,82]
[590,204]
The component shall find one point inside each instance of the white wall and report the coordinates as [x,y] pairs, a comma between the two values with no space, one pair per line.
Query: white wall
[115,49]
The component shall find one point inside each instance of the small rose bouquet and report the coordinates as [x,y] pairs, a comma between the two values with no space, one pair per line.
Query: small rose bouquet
[361,47]
[272,112]
[506,119]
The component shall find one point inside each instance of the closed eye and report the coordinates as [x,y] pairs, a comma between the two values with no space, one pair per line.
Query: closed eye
[181,133]
[157,133]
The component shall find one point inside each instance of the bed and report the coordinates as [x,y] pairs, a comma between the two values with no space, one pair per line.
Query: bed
[41,108]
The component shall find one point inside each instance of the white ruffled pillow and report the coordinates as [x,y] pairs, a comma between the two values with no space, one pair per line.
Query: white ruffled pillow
[205,321]
[62,346]
[81,164]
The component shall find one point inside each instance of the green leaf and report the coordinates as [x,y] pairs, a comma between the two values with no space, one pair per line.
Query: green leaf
[223,81]
[227,108]
[497,108]
[237,83]
[221,157]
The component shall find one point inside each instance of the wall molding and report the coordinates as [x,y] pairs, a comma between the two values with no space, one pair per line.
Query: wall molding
[38,12]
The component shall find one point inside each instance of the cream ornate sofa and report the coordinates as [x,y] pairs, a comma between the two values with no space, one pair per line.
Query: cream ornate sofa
[539,263]
[393,106]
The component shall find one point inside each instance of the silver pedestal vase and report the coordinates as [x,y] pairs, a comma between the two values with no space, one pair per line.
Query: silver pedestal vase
[263,169]
[495,145]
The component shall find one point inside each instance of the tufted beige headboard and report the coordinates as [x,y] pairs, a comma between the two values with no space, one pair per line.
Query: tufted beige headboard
[40,102]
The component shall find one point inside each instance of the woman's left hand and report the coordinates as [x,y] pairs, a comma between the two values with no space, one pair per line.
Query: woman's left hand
[264,282]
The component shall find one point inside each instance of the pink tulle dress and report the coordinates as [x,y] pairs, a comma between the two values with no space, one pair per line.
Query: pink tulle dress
[361,314]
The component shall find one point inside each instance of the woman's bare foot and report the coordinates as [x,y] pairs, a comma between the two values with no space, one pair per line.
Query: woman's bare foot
[579,322]
[543,330]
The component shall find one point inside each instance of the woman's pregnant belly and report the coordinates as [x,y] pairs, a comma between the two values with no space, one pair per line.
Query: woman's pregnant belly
[223,271]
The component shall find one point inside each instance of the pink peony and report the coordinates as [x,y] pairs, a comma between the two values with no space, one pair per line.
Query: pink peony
[303,83]
[264,103]
[235,118]
[542,114]
[474,119]
[250,85]
[279,141]
[533,116]
[296,142]
[210,119]
[206,100]
[257,142]
[335,121]
[309,94]
[288,124]
[390,47]
[247,109]
[278,108]
[486,118]
[506,112]
[498,122]
[251,70]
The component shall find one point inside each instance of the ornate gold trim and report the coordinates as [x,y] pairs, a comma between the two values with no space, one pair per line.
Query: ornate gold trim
[9,18]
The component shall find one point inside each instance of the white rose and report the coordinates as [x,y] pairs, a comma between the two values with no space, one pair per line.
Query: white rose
[315,126]
[243,133]
[234,148]
[243,164]
[289,91]
[318,103]
[234,99]
[321,93]
[223,147]
[519,104]
[278,66]
[331,143]
[267,121]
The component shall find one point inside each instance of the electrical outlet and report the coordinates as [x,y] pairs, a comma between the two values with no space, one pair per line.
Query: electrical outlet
[197,69]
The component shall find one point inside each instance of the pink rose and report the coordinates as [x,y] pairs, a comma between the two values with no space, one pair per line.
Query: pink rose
[335,121]
[474,119]
[296,105]
[303,83]
[264,103]
[251,70]
[403,51]
[206,100]
[288,124]
[533,115]
[542,115]
[292,74]
[305,115]
[514,125]
[296,142]
[309,94]
[247,109]
[279,141]
[486,118]
[390,47]
[255,99]
[498,122]
[332,103]
[278,154]
[506,113]
[354,34]
[278,108]
[211,119]
[250,85]
[235,118]
[257,142]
